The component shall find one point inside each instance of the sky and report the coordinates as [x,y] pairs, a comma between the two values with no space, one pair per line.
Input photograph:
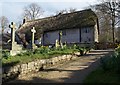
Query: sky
[13,9]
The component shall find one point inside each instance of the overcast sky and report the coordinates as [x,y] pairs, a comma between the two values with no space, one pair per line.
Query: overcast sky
[13,9]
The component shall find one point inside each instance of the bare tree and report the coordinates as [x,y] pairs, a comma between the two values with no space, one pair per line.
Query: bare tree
[61,12]
[4,22]
[32,11]
[118,34]
[112,9]
[64,11]
[104,25]
[72,10]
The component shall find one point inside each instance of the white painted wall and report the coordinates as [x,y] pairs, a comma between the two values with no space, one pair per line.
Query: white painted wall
[50,37]
[89,36]
[72,36]
[95,33]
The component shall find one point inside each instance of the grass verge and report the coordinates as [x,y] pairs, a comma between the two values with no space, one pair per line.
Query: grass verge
[99,76]
[29,56]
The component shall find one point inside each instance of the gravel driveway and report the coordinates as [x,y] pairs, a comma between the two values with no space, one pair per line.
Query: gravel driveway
[74,71]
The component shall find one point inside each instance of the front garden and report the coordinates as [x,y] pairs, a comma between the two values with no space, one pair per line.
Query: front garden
[43,52]
[108,72]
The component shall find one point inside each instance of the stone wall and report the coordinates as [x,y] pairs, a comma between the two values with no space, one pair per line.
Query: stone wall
[11,72]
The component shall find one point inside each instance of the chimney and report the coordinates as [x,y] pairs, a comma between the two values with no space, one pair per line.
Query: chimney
[24,21]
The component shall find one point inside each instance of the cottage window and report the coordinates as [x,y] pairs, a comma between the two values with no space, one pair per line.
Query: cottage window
[86,30]
[63,32]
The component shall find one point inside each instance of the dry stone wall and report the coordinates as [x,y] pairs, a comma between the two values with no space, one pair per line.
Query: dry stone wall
[11,72]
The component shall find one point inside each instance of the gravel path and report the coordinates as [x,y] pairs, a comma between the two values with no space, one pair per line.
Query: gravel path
[74,71]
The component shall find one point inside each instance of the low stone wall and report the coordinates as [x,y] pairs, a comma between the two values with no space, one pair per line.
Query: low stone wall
[11,72]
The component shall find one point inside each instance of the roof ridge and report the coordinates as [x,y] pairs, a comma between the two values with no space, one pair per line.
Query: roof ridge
[60,15]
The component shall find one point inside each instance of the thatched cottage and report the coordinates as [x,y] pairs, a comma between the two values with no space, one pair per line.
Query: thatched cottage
[77,27]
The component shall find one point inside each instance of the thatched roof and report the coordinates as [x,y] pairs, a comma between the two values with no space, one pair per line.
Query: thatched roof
[76,19]
[7,36]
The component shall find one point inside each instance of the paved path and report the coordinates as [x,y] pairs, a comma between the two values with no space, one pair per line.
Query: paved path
[74,71]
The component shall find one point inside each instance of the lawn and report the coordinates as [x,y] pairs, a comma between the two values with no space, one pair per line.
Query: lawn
[31,56]
[40,53]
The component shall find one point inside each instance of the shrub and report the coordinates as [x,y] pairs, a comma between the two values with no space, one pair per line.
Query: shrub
[117,50]
[42,50]
[108,62]
[81,50]
[5,54]
[28,53]
[111,62]
[118,58]
[22,54]
[75,47]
